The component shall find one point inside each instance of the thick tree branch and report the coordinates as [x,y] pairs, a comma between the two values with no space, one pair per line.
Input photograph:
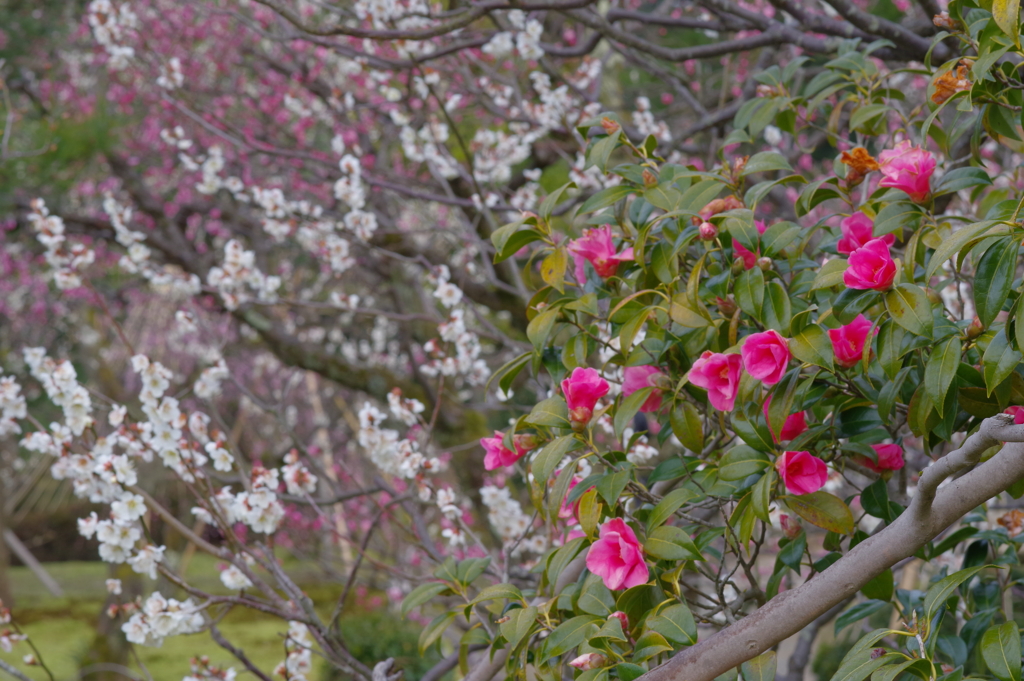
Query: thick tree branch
[928,515]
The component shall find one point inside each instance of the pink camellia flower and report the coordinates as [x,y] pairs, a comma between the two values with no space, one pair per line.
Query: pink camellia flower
[497,454]
[871,267]
[848,342]
[616,557]
[908,168]
[582,390]
[1017,413]
[638,378]
[858,229]
[588,661]
[596,247]
[749,259]
[801,472]
[765,356]
[794,426]
[890,458]
[719,374]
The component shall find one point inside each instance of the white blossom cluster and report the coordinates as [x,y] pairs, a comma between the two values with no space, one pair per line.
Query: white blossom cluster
[496,152]
[161,617]
[234,578]
[110,25]
[238,275]
[210,169]
[171,76]
[641,452]
[645,122]
[388,451]
[426,145]
[466,360]
[60,381]
[208,385]
[525,38]
[386,14]
[62,258]
[298,662]
[12,406]
[405,409]
[508,520]
[298,480]
[137,259]
[350,190]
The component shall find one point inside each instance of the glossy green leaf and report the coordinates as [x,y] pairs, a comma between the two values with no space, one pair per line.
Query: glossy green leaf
[741,462]
[812,345]
[939,593]
[520,622]
[1000,360]
[761,668]
[941,370]
[422,594]
[434,629]
[1000,647]
[910,308]
[628,408]
[671,543]
[676,624]
[994,278]
[568,635]
[548,458]
[687,426]
[823,510]
[550,412]
[667,507]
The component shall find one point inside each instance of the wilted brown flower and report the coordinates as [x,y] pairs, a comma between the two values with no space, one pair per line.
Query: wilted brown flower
[943,20]
[861,163]
[950,83]
[1013,521]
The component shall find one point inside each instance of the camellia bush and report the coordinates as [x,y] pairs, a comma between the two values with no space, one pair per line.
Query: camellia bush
[631,412]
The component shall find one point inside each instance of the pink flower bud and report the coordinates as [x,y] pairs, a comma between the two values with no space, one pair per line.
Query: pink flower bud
[708,231]
[582,390]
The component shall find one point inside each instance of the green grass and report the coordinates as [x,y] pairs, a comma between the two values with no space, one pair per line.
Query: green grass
[63,629]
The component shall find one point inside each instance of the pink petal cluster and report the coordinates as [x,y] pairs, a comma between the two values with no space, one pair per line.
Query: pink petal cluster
[848,342]
[719,374]
[890,458]
[1017,413]
[497,454]
[908,168]
[765,356]
[801,472]
[871,267]
[858,230]
[617,557]
[749,259]
[596,247]
[795,425]
[582,390]
[638,378]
